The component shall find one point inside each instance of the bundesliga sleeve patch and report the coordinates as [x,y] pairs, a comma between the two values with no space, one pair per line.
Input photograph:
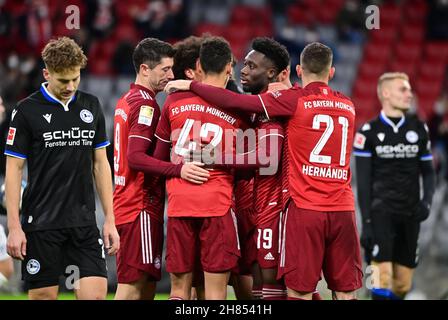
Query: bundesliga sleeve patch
[11,136]
[359,141]
[145,115]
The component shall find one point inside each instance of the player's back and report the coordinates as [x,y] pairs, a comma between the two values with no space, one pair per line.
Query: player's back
[196,125]
[320,138]
[136,116]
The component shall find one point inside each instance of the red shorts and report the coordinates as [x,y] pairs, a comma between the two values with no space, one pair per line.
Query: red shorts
[141,245]
[313,241]
[246,234]
[267,238]
[216,238]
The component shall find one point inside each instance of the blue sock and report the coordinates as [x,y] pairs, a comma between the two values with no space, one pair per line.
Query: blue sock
[384,294]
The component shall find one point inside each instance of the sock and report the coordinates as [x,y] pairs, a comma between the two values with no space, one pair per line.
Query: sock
[257,293]
[3,280]
[383,294]
[274,292]
[316,296]
[294,298]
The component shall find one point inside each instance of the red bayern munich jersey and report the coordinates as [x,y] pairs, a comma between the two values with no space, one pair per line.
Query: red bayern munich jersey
[190,123]
[268,188]
[319,143]
[136,117]
[244,194]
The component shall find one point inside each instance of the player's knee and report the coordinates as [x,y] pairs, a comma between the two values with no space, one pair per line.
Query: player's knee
[6,269]
[385,278]
[42,294]
[401,287]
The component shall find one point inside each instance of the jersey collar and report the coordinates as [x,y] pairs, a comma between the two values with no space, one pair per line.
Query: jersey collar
[52,98]
[389,122]
[315,84]
[144,89]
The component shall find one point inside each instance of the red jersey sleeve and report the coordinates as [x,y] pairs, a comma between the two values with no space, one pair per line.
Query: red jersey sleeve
[163,131]
[143,119]
[280,103]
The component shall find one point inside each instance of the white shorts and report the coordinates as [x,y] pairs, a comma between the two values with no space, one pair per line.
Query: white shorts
[3,254]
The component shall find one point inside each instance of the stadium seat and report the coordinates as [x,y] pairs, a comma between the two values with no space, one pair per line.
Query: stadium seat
[412,34]
[377,51]
[407,52]
[213,29]
[403,66]
[385,35]
[436,51]
[371,70]
[415,11]
[390,15]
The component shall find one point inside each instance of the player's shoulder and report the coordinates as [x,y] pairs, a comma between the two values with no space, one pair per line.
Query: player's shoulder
[180,95]
[137,96]
[416,122]
[31,101]
[369,126]
[86,98]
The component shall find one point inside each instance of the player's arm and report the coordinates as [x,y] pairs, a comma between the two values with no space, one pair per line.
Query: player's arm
[428,177]
[271,104]
[267,153]
[16,246]
[103,182]
[363,154]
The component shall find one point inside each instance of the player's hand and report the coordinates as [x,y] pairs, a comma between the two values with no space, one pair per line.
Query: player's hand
[192,172]
[177,85]
[423,211]
[111,237]
[16,245]
[367,240]
[277,86]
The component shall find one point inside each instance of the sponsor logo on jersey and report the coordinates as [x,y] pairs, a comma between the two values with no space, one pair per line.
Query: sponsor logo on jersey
[381,136]
[365,127]
[73,137]
[145,116]
[412,136]
[269,256]
[359,141]
[86,116]
[47,117]
[11,136]
[33,266]
[400,150]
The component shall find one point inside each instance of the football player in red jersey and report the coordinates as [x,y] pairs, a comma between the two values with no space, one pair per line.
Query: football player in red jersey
[139,194]
[200,215]
[319,231]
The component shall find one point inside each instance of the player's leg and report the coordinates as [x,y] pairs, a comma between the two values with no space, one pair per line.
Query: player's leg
[342,264]
[181,285]
[138,260]
[242,285]
[244,281]
[405,256]
[6,263]
[91,288]
[181,248]
[268,238]
[301,251]
[220,251]
[384,235]
[402,280]
[85,263]
[41,267]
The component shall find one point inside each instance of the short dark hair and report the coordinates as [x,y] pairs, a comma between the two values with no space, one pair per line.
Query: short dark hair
[215,54]
[274,51]
[316,58]
[187,53]
[151,51]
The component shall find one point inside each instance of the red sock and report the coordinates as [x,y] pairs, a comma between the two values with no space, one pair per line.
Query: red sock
[294,298]
[274,292]
[257,293]
[316,296]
